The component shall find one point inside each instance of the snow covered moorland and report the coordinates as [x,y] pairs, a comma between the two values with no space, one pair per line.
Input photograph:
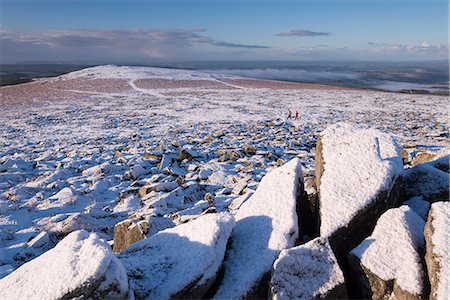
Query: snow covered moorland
[144,161]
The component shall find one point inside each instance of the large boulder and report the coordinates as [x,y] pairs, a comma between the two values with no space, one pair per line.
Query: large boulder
[357,172]
[437,235]
[388,264]
[265,224]
[179,262]
[309,271]
[426,181]
[80,266]
[129,232]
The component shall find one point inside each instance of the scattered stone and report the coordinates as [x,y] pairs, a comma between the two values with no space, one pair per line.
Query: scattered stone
[309,271]
[388,263]
[166,186]
[250,150]
[80,266]
[204,174]
[422,157]
[437,235]
[210,199]
[39,241]
[129,232]
[184,154]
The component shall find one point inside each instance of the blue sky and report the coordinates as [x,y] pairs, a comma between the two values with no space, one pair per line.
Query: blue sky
[146,31]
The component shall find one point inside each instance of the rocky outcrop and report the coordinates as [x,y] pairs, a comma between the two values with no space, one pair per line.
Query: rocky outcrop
[309,271]
[179,262]
[129,232]
[437,235]
[357,174]
[266,224]
[388,264]
[426,181]
[80,266]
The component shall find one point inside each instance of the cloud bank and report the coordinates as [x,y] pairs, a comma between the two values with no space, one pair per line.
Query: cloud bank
[302,33]
[112,44]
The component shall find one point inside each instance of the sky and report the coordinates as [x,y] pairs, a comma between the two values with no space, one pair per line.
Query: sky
[113,31]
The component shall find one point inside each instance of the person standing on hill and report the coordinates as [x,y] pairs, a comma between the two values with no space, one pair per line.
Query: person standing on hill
[289,114]
[296,114]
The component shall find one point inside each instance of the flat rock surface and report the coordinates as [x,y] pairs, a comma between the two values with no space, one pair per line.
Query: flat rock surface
[81,265]
[426,181]
[309,271]
[171,262]
[437,233]
[359,164]
[265,224]
[390,259]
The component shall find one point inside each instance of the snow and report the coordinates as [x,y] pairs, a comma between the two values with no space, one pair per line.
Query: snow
[392,251]
[419,206]
[358,165]
[306,272]
[265,224]
[441,247]
[172,260]
[76,265]
[427,181]
[89,143]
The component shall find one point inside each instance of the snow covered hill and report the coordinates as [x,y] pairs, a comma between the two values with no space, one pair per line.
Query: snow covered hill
[92,148]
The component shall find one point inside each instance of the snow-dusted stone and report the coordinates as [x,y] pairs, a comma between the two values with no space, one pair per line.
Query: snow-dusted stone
[419,206]
[437,235]
[442,163]
[266,224]
[80,266]
[426,181]
[129,232]
[180,262]
[309,271]
[357,170]
[388,263]
[422,157]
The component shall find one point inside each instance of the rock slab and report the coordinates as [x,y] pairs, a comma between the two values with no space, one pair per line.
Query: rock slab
[179,262]
[309,271]
[265,224]
[388,264]
[437,234]
[80,266]
[356,171]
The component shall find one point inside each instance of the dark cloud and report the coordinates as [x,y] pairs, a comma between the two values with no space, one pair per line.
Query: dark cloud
[150,43]
[233,45]
[302,33]
[376,44]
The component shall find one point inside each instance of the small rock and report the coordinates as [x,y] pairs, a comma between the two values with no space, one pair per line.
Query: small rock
[204,174]
[309,271]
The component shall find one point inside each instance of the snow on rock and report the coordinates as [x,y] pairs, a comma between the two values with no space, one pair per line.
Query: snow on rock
[129,232]
[437,234]
[389,261]
[80,266]
[309,271]
[180,262]
[419,206]
[442,163]
[356,171]
[266,224]
[426,181]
